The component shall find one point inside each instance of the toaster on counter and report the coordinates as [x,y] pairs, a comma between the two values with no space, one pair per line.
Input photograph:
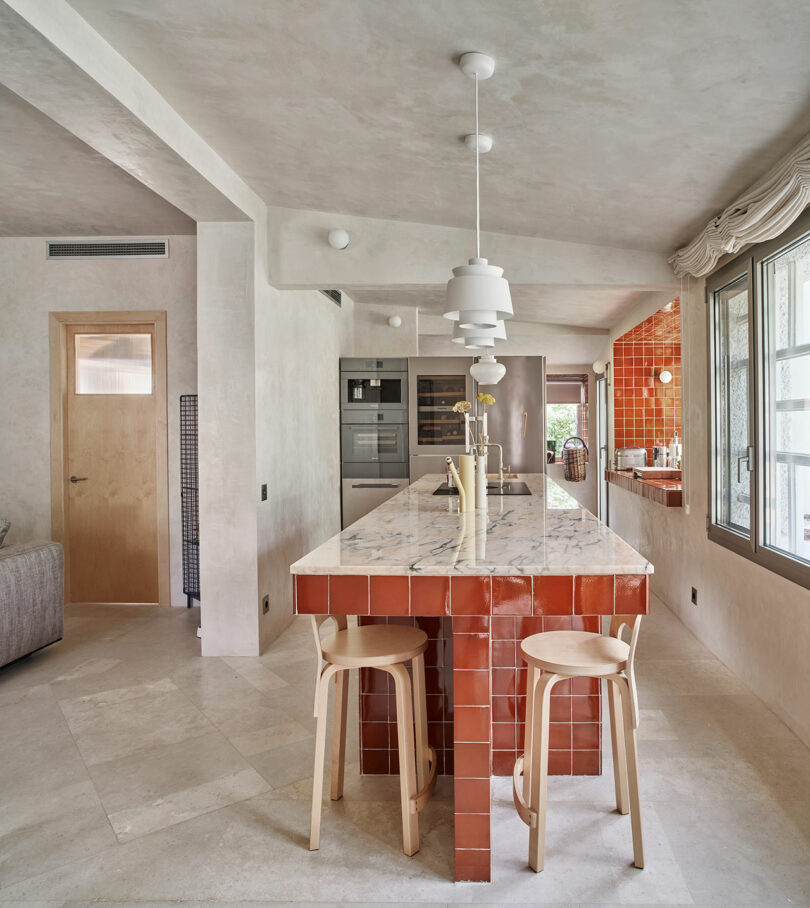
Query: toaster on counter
[628,458]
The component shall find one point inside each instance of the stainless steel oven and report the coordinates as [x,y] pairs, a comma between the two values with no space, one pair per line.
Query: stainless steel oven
[374,443]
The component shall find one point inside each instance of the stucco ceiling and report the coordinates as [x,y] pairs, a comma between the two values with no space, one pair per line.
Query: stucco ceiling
[618,122]
[52,184]
[595,307]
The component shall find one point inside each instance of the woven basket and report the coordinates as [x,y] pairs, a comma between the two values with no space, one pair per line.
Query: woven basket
[574,459]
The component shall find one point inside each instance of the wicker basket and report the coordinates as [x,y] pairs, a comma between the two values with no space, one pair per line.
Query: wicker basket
[574,459]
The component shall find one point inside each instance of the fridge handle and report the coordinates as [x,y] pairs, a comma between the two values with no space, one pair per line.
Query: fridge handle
[525,422]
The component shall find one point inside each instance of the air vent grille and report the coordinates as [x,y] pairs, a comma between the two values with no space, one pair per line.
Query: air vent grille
[335,295]
[107,249]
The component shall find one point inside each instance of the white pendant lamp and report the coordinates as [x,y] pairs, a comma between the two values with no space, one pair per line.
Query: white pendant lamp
[479,338]
[478,294]
[487,371]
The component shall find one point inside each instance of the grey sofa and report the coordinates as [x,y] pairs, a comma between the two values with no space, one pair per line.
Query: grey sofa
[31,598]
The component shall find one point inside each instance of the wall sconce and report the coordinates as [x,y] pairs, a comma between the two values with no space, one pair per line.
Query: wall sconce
[599,367]
[665,376]
[395,321]
[338,239]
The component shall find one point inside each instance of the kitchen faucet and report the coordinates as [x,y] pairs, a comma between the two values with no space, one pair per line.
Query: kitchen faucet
[486,444]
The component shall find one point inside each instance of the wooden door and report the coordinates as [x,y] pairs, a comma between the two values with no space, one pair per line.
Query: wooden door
[110,463]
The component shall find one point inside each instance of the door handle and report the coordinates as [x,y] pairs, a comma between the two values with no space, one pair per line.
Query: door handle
[746,458]
[525,422]
[75,479]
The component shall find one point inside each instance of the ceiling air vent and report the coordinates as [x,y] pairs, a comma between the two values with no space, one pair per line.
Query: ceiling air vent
[108,249]
[335,295]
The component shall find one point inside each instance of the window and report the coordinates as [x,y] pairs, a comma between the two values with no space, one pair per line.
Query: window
[759,336]
[113,363]
[566,410]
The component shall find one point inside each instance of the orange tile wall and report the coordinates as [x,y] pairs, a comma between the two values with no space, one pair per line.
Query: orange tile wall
[645,409]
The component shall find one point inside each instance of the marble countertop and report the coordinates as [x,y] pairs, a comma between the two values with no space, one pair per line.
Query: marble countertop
[416,532]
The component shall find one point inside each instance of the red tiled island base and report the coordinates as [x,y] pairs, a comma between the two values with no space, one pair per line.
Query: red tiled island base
[476,681]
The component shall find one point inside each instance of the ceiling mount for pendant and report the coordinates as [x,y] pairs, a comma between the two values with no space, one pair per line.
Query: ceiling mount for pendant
[484,142]
[475,64]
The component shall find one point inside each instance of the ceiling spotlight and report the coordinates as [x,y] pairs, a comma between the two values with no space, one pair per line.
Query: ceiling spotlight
[395,321]
[338,239]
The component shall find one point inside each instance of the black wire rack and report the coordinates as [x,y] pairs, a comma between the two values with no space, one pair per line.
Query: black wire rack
[190,496]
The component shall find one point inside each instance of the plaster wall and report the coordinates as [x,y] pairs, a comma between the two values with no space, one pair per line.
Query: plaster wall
[33,286]
[373,336]
[756,622]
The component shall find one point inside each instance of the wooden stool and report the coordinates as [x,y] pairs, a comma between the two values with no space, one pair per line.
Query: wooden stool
[386,647]
[551,657]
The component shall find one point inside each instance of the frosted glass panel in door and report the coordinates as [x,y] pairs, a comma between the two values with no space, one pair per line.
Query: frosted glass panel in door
[113,363]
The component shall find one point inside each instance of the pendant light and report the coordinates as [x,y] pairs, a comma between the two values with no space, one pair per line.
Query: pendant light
[487,371]
[479,338]
[477,294]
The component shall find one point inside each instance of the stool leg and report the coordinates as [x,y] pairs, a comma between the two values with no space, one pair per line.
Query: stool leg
[531,684]
[539,774]
[617,742]
[407,768]
[632,773]
[339,734]
[420,714]
[320,756]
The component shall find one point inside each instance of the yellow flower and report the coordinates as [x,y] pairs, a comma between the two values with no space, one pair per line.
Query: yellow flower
[487,399]
[463,406]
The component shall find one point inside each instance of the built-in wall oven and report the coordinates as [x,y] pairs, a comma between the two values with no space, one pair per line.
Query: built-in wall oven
[373,432]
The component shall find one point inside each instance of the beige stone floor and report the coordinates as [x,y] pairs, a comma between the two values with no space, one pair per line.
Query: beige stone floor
[133,771]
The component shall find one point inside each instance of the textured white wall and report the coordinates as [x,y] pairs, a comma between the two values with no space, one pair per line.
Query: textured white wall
[31,286]
[373,336]
[755,621]
[300,337]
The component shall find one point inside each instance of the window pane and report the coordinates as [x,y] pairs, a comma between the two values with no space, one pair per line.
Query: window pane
[787,401]
[113,363]
[732,383]
[562,422]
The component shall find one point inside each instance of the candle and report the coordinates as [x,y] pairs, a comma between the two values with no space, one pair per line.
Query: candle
[485,424]
[467,432]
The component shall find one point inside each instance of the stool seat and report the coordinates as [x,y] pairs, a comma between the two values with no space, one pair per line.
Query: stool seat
[576,653]
[374,645]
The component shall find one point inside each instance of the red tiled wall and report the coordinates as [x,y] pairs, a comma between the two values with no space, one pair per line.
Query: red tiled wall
[645,409]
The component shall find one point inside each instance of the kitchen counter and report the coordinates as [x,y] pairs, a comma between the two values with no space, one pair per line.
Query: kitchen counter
[477,584]
[416,532]
[667,492]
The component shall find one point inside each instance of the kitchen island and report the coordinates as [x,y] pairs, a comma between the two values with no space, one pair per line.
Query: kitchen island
[478,583]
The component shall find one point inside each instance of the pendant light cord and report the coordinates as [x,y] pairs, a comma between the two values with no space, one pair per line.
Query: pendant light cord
[477,181]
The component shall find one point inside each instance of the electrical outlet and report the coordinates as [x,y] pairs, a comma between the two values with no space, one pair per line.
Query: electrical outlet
[264,491]
[694,595]
[265,605]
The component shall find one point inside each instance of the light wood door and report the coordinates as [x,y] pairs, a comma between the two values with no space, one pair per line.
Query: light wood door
[111,426]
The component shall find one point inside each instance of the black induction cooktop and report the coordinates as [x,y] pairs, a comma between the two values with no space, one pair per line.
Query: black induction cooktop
[510,487]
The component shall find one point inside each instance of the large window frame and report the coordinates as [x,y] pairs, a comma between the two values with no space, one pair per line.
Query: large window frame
[750,265]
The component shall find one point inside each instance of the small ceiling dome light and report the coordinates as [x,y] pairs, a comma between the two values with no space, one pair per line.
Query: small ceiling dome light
[599,367]
[478,294]
[479,338]
[665,376]
[487,371]
[395,321]
[338,239]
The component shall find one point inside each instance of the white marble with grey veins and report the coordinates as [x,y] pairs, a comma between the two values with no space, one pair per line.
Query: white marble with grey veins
[416,532]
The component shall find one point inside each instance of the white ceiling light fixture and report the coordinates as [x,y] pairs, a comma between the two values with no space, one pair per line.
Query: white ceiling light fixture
[665,376]
[479,338]
[478,294]
[487,371]
[394,321]
[338,239]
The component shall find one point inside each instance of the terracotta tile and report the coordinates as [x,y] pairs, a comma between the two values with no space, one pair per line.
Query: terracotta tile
[471,688]
[375,762]
[471,651]
[559,735]
[585,685]
[435,707]
[348,594]
[470,624]
[472,761]
[374,707]
[589,623]
[374,735]
[511,595]
[472,723]
[526,627]
[585,735]
[504,681]
[503,735]
[389,595]
[471,595]
[559,762]
[586,763]
[472,795]
[472,830]
[472,865]
[430,595]
[593,594]
[503,628]
[553,595]
[504,654]
[374,681]
[560,709]
[504,709]
[557,623]
[585,709]
[632,594]
[312,594]
[503,762]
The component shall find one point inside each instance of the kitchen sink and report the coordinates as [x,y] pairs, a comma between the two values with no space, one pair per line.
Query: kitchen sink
[493,488]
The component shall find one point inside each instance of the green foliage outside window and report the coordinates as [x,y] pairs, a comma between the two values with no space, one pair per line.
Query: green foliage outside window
[561,423]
